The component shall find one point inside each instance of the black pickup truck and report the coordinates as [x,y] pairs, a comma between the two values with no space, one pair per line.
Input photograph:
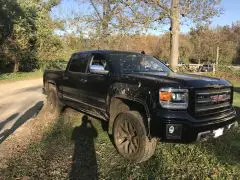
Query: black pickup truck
[142,99]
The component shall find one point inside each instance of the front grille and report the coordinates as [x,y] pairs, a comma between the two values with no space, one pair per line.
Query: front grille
[212,102]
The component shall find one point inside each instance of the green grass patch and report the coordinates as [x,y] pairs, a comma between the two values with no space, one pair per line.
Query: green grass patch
[77,150]
[236,97]
[20,76]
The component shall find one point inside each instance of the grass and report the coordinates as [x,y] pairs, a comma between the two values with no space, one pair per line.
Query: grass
[20,76]
[68,150]
[236,97]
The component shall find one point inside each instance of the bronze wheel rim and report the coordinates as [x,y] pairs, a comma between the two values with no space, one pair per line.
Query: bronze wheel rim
[127,139]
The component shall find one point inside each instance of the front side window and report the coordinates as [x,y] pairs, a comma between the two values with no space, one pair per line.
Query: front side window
[130,63]
[78,63]
[99,60]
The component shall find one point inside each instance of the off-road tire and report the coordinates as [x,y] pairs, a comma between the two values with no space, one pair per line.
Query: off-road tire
[130,137]
[54,106]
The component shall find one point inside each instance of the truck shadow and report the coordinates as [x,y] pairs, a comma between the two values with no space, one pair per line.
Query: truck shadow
[31,112]
[84,163]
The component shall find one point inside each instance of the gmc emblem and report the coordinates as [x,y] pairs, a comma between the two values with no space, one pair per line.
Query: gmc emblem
[218,98]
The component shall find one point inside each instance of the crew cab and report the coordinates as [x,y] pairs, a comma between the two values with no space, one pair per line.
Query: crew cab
[142,99]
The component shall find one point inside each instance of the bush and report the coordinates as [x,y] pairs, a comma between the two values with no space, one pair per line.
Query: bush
[59,64]
[4,65]
[28,64]
[227,73]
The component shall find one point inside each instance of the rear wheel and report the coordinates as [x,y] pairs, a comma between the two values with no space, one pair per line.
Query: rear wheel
[54,105]
[130,137]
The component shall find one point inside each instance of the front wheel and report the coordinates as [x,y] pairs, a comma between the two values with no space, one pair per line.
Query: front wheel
[130,137]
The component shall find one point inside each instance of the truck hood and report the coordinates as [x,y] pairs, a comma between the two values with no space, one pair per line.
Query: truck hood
[185,80]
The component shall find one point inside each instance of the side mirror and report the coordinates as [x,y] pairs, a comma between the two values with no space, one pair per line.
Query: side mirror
[98,69]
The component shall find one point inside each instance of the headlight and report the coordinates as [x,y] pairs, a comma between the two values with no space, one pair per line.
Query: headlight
[173,98]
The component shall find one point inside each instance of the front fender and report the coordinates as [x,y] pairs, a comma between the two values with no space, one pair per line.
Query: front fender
[133,93]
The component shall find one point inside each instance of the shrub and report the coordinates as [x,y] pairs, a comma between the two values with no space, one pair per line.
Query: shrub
[227,73]
[59,64]
[28,64]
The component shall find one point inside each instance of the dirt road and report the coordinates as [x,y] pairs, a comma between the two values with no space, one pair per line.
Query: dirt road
[19,102]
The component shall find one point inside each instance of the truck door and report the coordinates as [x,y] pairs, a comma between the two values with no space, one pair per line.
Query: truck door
[74,79]
[97,84]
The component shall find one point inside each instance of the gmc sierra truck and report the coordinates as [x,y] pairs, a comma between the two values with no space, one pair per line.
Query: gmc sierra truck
[142,99]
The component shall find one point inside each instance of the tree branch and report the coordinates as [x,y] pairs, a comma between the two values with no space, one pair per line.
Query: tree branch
[186,8]
[160,4]
[96,10]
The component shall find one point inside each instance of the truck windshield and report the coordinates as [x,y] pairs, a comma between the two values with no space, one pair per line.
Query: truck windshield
[139,63]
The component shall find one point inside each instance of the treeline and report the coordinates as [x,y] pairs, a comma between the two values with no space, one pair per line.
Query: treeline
[28,39]
[198,46]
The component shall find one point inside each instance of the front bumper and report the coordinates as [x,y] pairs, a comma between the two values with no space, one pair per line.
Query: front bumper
[203,136]
[186,128]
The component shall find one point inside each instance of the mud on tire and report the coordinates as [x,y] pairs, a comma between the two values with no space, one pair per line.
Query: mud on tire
[130,137]
[54,105]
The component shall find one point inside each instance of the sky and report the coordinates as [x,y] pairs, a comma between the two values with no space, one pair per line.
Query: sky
[231,13]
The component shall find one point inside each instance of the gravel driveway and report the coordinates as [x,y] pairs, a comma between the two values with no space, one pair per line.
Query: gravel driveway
[19,102]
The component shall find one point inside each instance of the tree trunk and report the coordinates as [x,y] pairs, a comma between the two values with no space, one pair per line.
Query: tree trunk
[217,56]
[105,23]
[217,61]
[174,39]
[16,65]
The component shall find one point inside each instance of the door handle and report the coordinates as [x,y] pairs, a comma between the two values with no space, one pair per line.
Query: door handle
[83,80]
[65,77]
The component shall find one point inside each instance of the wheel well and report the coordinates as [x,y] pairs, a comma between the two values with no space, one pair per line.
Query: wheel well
[118,105]
[48,85]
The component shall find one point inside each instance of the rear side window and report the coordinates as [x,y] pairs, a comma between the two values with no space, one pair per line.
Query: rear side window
[78,63]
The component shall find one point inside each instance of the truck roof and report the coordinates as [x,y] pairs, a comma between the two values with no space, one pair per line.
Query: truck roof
[108,52]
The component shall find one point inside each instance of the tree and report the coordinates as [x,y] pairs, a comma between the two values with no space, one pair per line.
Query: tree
[201,38]
[174,13]
[27,33]
[104,13]
[206,41]
[10,13]
[99,23]
[106,19]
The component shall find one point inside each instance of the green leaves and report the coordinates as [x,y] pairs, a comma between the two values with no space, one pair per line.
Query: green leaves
[27,33]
